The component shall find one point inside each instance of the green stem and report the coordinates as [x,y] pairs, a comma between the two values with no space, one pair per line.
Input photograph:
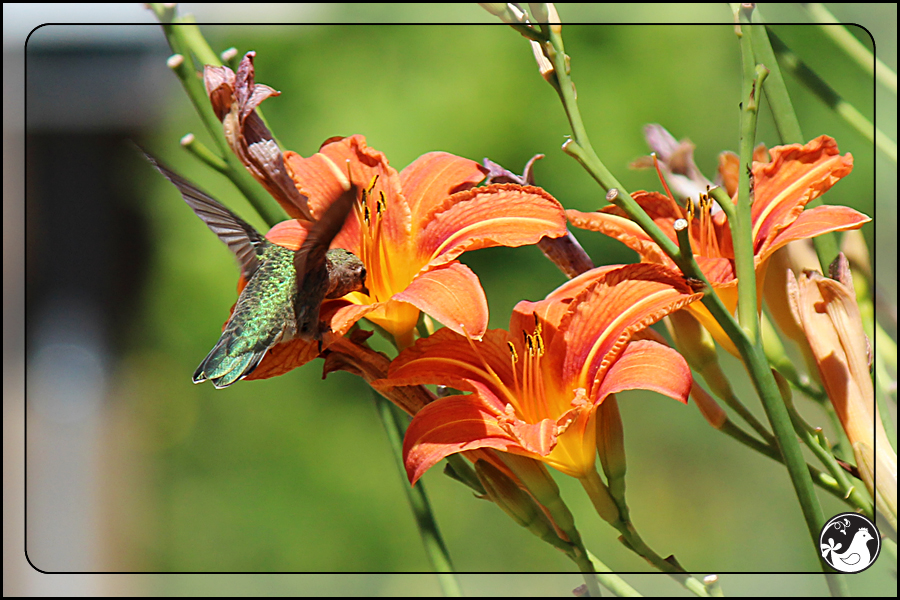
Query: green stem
[611,581]
[821,479]
[851,46]
[776,91]
[462,471]
[198,149]
[418,501]
[597,492]
[832,99]
[786,121]
[815,441]
[742,231]
[883,380]
[545,491]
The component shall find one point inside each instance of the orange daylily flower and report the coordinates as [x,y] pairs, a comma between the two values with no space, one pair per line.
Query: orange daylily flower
[535,388]
[783,186]
[411,227]
[408,228]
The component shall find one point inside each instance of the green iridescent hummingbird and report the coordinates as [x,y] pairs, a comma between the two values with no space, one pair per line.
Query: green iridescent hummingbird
[285,288]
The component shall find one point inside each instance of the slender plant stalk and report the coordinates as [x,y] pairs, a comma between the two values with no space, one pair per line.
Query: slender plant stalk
[786,121]
[832,99]
[596,491]
[852,47]
[815,441]
[418,502]
[823,480]
[611,581]
[752,352]
[742,230]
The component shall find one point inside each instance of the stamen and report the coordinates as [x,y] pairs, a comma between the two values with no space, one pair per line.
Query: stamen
[661,178]
[704,213]
[512,352]
[371,186]
[501,387]
[514,356]
[533,395]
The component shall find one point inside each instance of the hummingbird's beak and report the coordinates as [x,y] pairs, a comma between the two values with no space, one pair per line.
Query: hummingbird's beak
[364,290]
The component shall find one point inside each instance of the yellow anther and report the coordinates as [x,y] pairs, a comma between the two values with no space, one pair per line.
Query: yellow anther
[512,352]
[371,185]
[366,213]
[381,204]
[539,342]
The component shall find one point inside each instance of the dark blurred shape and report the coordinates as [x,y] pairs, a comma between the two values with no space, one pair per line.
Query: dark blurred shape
[86,254]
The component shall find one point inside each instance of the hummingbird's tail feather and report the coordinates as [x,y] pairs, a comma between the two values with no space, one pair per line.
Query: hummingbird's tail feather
[224,367]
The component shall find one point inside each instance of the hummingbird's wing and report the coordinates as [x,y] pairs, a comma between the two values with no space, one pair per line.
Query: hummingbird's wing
[309,263]
[240,237]
[312,251]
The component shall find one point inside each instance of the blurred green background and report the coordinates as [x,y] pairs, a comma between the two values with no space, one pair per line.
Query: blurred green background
[294,474]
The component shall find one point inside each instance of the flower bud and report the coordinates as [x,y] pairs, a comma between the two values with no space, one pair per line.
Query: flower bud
[611,446]
[828,314]
[709,408]
[514,501]
[534,476]
[697,346]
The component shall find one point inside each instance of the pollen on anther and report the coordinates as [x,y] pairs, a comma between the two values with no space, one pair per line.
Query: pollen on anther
[512,352]
[371,185]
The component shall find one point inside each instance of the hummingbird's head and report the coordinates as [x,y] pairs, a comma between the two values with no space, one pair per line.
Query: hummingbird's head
[346,272]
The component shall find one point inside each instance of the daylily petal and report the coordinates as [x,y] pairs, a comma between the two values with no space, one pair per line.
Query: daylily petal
[551,310]
[450,425]
[324,176]
[453,295]
[611,221]
[432,177]
[289,234]
[796,175]
[605,315]
[387,314]
[499,214]
[648,365]
[814,222]
[729,170]
[285,357]
[449,359]
[827,311]
[718,271]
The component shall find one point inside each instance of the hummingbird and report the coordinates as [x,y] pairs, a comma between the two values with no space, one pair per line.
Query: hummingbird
[285,288]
